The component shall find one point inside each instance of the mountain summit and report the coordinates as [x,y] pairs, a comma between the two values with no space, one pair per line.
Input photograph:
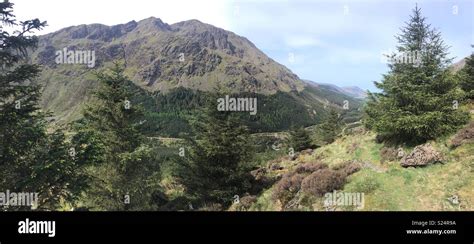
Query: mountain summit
[187,54]
[159,58]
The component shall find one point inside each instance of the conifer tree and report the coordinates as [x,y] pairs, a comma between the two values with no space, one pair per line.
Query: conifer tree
[299,139]
[21,123]
[218,165]
[126,171]
[418,99]
[113,114]
[330,127]
[31,160]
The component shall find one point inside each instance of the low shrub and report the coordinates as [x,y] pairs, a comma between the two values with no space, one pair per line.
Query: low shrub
[323,181]
[388,154]
[247,201]
[348,167]
[351,168]
[287,187]
[464,135]
[310,167]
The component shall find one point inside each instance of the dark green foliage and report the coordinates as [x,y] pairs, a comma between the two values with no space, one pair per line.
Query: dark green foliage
[58,173]
[330,128]
[21,123]
[114,115]
[31,160]
[126,172]
[170,114]
[277,112]
[300,139]
[467,74]
[351,116]
[416,102]
[217,165]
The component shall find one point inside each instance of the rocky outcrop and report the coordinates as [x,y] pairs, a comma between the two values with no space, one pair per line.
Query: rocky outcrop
[47,56]
[422,155]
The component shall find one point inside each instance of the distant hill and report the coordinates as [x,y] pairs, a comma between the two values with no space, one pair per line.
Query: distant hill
[353,91]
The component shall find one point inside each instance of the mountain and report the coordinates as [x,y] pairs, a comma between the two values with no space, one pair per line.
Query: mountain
[167,63]
[458,65]
[353,91]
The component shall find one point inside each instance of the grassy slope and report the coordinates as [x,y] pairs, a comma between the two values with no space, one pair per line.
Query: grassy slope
[388,186]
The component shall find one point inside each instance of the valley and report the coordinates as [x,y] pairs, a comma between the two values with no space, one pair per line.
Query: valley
[187,116]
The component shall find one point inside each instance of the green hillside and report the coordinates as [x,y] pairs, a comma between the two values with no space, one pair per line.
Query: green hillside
[387,186]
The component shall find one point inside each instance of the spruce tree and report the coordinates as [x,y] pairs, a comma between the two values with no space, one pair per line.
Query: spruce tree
[113,114]
[299,139]
[31,160]
[330,127]
[126,172]
[218,165]
[21,123]
[418,99]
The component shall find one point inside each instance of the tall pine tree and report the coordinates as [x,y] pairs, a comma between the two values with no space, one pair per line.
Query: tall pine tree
[218,165]
[300,139]
[21,123]
[330,127]
[418,99]
[126,172]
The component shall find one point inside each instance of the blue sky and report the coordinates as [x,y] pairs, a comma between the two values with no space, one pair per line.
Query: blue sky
[341,42]
[329,41]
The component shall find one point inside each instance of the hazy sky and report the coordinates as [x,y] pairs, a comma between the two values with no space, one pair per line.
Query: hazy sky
[330,41]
